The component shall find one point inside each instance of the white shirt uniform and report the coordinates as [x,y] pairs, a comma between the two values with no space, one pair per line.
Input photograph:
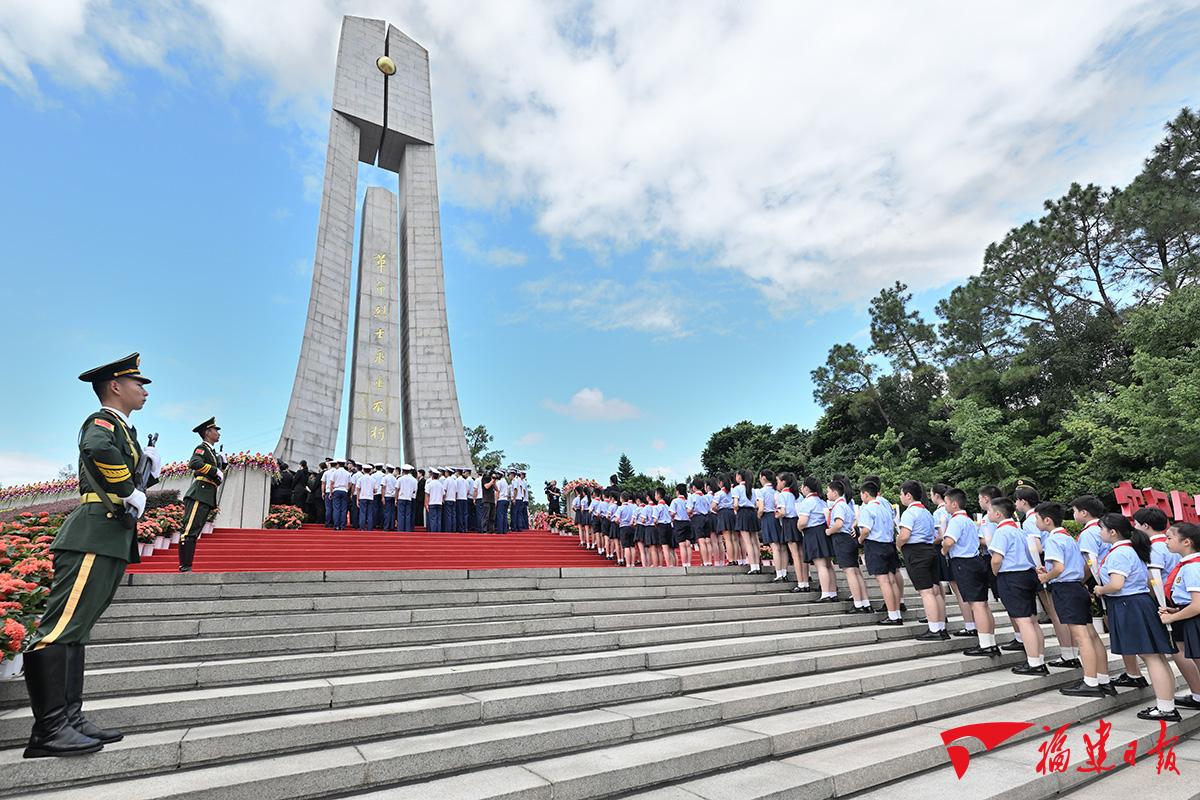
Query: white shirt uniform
[406,487]
[389,486]
[339,480]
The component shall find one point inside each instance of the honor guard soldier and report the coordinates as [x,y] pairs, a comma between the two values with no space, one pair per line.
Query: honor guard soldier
[90,553]
[208,472]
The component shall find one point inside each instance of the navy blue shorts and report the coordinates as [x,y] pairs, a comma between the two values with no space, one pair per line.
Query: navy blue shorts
[770,532]
[971,575]
[1072,602]
[923,564]
[944,560]
[681,531]
[816,543]
[882,558]
[1186,634]
[789,530]
[699,527]
[1134,627]
[845,549]
[627,536]
[1018,592]
[747,519]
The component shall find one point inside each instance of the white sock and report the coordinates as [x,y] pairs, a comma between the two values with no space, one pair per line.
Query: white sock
[1102,678]
[941,626]
[894,615]
[1017,636]
[932,626]
[781,573]
[828,594]
[970,626]
[1165,706]
[987,639]
[1090,682]
[1035,661]
[1196,696]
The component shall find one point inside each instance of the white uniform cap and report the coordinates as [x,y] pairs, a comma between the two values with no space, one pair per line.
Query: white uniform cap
[406,466]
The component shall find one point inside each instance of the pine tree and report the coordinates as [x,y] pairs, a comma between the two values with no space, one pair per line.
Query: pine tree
[624,469]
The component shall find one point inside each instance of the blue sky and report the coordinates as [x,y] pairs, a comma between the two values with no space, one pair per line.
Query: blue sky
[642,243]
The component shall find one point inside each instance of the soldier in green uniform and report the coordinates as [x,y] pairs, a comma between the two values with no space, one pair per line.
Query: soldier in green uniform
[201,497]
[90,553]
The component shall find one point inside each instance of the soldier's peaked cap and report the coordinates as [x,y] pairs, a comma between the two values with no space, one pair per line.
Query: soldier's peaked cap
[128,367]
[211,422]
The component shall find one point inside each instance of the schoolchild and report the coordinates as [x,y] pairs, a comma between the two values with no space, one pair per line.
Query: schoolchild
[941,519]
[960,543]
[789,528]
[681,526]
[625,522]
[639,528]
[839,520]
[577,516]
[890,510]
[1182,587]
[698,506]
[785,522]
[1063,576]
[1154,523]
[727,520]
[1026,499]
[768,521]
[916,541]
[747,520]
[1016,578]
[1134,625]
[818,548]
[714,539]
[664,545]
[877,534]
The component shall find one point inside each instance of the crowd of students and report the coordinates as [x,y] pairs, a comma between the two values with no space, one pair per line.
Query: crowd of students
[381,497]
[1142,574]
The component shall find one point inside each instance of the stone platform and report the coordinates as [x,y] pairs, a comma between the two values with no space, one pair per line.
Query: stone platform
[549,684]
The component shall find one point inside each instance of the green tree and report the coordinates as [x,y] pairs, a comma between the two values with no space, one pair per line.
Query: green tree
[624,470]
[478,440]
[847,372]
[898,333]
[892,462]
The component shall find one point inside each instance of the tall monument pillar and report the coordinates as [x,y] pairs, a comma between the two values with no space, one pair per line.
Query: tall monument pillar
[382,114]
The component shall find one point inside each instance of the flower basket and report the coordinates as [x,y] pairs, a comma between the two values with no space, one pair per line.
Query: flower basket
[11,667]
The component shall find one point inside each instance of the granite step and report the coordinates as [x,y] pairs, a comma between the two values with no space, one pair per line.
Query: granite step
[720,727]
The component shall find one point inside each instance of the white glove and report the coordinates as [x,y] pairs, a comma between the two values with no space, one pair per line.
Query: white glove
[155,461]
[135,502]
[220,476]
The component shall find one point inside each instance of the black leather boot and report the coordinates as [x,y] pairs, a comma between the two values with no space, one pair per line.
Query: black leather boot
[75,716]
[46,681]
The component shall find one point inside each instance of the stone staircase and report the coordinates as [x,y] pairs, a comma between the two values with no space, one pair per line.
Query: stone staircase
[546,683]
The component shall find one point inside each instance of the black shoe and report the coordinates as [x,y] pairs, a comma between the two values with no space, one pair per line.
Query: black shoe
[1025,669]
[1013,646]
[882,609]
[1108,689]
[1124,681]
[1081,689]
[944,635]
[991,651]
[1065,663]
[965,634]
[930,636]
[779,579]
[923,620]
[1153,714]
[798,590]
[185,569]
[904,606]
[46,681]
[886,621]
[75,716]
[754,571]
[828,600]
[1187,702]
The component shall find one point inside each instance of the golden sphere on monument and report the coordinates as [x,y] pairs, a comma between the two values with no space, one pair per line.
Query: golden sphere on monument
[386,65]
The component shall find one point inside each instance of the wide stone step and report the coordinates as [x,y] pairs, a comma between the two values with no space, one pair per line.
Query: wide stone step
[600,754]
[185,705]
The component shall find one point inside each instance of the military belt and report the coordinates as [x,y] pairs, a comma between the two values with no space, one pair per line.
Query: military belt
[203,479]
[92,497]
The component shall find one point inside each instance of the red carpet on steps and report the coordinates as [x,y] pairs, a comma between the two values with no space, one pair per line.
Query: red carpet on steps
[317,548]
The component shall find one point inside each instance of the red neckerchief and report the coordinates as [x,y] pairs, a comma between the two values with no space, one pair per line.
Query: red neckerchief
[1175,573]
[1114,548]
[960,513]
[918,504]
[1162,537]
[1008,523]
[1060,530]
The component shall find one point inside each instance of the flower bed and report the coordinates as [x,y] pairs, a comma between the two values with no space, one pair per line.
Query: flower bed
[289,518]
[26,571]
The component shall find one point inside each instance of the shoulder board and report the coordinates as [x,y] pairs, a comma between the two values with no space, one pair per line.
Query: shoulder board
[103,423]
[199,451]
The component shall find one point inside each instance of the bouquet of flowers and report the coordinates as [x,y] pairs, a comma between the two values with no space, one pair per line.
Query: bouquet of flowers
[588,483]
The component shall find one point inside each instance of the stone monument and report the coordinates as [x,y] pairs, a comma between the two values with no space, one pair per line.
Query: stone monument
[402,383]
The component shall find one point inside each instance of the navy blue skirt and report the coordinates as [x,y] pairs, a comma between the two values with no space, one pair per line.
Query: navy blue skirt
[789,530]
[771,532]
[1186,634]
[1134,626]
[726,520]
[747,519]
[1072,602]
[659,533]
[639,533]
[817,543]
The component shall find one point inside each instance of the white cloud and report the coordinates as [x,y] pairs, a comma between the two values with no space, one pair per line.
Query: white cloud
[17,469]
[658,444]
[534,437]
[604,304]
[591,404]
[802,145]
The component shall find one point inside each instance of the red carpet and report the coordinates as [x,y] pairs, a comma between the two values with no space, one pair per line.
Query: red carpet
[317,548]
